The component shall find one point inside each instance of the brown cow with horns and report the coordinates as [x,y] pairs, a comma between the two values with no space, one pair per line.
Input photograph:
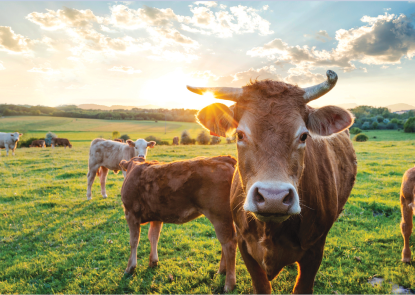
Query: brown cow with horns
[291,158]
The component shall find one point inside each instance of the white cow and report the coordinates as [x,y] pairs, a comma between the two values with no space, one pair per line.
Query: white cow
[9,141]
[106,155]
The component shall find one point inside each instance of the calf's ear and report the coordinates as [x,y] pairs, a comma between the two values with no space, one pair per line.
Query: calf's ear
[217,118]
[328,120]
[124,165]
[151,144]
[131,143]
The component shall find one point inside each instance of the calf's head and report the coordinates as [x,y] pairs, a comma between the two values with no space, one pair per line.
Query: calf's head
[141,146]
[272,122]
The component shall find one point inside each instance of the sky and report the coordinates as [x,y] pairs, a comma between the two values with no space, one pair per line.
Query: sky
[139,53]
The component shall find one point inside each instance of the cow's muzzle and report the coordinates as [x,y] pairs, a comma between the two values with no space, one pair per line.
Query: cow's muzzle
[270,201]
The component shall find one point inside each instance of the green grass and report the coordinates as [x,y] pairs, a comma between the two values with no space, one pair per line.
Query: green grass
[53,241]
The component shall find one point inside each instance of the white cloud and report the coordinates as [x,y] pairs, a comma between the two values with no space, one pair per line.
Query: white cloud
[265,7]
[207,3]
[385,40]
[384,67]
[387,9]
[222,6]
[1,66]
[44,70]
[106,29]
[127,70]
[12,42]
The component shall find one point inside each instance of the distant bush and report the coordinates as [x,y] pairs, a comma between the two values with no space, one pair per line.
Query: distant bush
[375,125]
[366,126]
[231,139]
[215,140]
[115,134]
[391,125]
[355,130]
[361,137]
[203,137]
[385,121]
[125,137]
[185,138]
[409,125]
[164,142]
[48,138]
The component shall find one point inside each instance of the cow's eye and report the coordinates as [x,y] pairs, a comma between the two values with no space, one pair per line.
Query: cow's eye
[240,135]
[303,136]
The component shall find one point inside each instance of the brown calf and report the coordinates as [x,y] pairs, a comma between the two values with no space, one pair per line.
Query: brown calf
[175,140]
[61,141]
[38,143]
[287,164]
[118,140]
[179,192]
[407,208]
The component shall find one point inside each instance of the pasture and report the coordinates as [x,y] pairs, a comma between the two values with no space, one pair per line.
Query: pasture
[53,240]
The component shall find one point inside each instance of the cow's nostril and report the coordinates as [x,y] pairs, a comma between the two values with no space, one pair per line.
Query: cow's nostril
[288,198]
[258,197]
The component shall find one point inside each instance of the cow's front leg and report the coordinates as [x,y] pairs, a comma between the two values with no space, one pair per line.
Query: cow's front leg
[13,149]
[6,146]
[153,236]
[260,281]
[103,177]
[135,229]
[308,267]
[406,228]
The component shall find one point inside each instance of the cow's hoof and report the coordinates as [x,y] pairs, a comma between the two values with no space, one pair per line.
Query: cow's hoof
[104,196]
[228,289]
[153,264]
[129,270]
[89,198]
[406,259]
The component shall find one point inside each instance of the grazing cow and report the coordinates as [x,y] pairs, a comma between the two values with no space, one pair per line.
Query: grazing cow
[292,158]
[61,141]
[179,192]
[407,208]
[106,155]
[175,140]
[118,140]
[9,141]
[38,143]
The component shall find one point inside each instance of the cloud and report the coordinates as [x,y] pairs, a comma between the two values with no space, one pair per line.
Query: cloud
[127,70]
[207,3]
[265,7]
[385,40]
[323,36]
[12,42]
[1,66]
[43,70]
[240,78]
[387,9]
[303,77]
[66,17]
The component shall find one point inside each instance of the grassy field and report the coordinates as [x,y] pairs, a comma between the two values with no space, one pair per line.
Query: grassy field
[54,241]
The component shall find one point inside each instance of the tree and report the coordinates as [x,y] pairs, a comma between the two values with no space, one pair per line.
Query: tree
[409,125]
[115,134]
[203,137]
[185,138]
[375,125]
[125,137]
[215,140]
[48,138]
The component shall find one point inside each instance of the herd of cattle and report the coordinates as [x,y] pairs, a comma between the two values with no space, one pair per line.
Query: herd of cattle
[276,202]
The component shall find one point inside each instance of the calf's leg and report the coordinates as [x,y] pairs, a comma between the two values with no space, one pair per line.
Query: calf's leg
[260,281]
[103,177]
[406,227]
[225,232]
[7,149]
[308,267]
[135,229]
[153,236]
[92,172]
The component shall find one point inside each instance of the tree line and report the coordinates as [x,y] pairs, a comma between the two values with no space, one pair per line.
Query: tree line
[72,111]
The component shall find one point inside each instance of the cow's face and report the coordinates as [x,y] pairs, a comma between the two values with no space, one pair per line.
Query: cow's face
[15,136]
[272,123]
[141,146]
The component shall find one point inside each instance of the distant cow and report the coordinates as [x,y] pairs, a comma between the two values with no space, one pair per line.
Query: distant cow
[118,140]
[292,158]
[179,192]
[175,140]
[106,155]
[61,141]
[9,141]
[407,196]
[38,143]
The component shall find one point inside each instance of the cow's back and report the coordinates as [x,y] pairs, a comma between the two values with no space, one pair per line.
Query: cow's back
[109,153]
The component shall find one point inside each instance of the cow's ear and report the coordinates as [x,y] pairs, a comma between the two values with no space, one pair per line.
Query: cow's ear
[124,165]
[151,144]
[20,134]
[328,120]
[217,118]
[131,143]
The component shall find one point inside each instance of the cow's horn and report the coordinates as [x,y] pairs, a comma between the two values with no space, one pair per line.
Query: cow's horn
[314,92]
[228,93]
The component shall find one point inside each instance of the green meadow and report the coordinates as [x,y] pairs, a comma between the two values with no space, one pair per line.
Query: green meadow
[52,240]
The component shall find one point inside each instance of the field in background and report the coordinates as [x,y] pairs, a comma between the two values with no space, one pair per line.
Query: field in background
[53,240]
[84,130]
